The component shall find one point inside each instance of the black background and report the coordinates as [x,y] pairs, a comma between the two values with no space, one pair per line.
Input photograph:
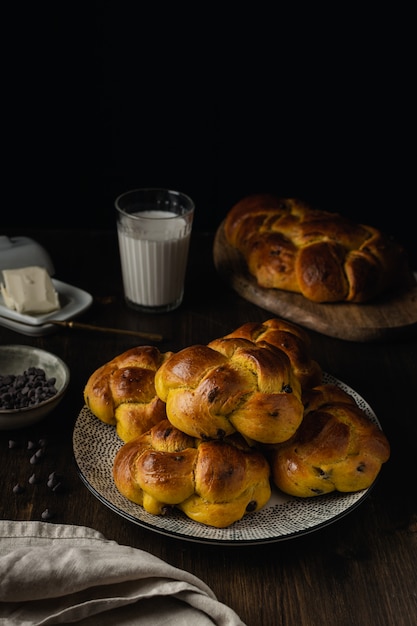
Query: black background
[101,97]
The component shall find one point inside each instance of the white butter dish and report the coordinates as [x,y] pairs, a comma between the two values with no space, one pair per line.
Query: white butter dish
[74,301]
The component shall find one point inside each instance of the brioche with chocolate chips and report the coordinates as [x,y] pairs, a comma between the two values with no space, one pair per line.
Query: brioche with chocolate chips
[336,448]
[324,256]
[289,338]
[213,482]
[231,385]
[122,391]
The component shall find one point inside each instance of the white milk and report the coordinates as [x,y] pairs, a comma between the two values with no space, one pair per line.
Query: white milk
[153,255]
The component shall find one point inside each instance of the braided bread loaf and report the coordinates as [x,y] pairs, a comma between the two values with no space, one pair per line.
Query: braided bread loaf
[327,258]
[231,385]
[122,391]
[289,338]
[213,482]
[336,448]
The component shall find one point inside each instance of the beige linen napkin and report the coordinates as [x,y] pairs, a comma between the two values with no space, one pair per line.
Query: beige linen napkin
[60,574]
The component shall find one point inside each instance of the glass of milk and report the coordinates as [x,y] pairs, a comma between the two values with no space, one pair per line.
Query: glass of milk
[154,229]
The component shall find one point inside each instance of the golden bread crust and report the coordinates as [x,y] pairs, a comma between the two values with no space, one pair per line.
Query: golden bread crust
[229,385]
[122,391]
[289,338]
[336,448]
[324,256]
[206,430]
[213,482]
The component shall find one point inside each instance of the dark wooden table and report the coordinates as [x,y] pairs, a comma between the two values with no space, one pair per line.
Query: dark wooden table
[360,570]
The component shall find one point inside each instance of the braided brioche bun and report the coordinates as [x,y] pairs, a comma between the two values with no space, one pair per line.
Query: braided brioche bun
[122,392]
[231,385]
[336,448]
[213,482]
[289,338]
[326,257]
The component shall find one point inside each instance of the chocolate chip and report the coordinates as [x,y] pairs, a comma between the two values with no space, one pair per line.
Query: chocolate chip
[26,389]
[55,482]
[33,480]
[18,489]
[54,477]
[47,514]
[51,483]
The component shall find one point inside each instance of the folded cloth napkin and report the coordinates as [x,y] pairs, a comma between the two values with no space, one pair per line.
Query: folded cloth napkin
[60,574]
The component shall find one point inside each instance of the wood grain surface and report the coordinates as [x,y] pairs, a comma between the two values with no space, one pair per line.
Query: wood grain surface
[359,570]
[385,317]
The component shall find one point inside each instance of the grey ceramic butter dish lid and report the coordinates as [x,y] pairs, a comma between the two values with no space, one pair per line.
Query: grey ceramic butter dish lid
[16,252]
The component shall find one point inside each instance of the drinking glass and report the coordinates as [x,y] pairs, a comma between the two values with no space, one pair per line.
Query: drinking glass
[154,228]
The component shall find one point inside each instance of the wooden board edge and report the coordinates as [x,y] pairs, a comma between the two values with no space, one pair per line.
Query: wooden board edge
[295,308]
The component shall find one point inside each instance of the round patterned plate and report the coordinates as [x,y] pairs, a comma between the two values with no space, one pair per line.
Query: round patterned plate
[284,517]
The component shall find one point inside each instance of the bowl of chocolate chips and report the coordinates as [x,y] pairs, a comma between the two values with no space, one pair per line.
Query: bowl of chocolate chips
[32,384]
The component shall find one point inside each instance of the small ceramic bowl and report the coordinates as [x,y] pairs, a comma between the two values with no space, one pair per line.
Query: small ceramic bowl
[17,359]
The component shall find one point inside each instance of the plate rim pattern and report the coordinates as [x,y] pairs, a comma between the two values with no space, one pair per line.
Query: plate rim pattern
[281,519]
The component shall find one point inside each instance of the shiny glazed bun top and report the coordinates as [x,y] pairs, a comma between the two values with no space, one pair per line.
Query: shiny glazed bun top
[289,338]
[122,391]
[230,385]
[336,448]
[213,482]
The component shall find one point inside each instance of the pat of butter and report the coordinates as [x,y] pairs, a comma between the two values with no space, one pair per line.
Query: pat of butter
[29,290]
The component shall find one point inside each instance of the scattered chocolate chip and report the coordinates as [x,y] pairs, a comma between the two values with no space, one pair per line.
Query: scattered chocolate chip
[55,477]
[46,515]
[34,459]
[55,482]
[33,480]
[43,443]
[39,453]
[31,445]
[18,488]
[13,444]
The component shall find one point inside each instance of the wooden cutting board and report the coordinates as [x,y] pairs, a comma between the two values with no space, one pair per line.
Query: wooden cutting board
[388,316]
